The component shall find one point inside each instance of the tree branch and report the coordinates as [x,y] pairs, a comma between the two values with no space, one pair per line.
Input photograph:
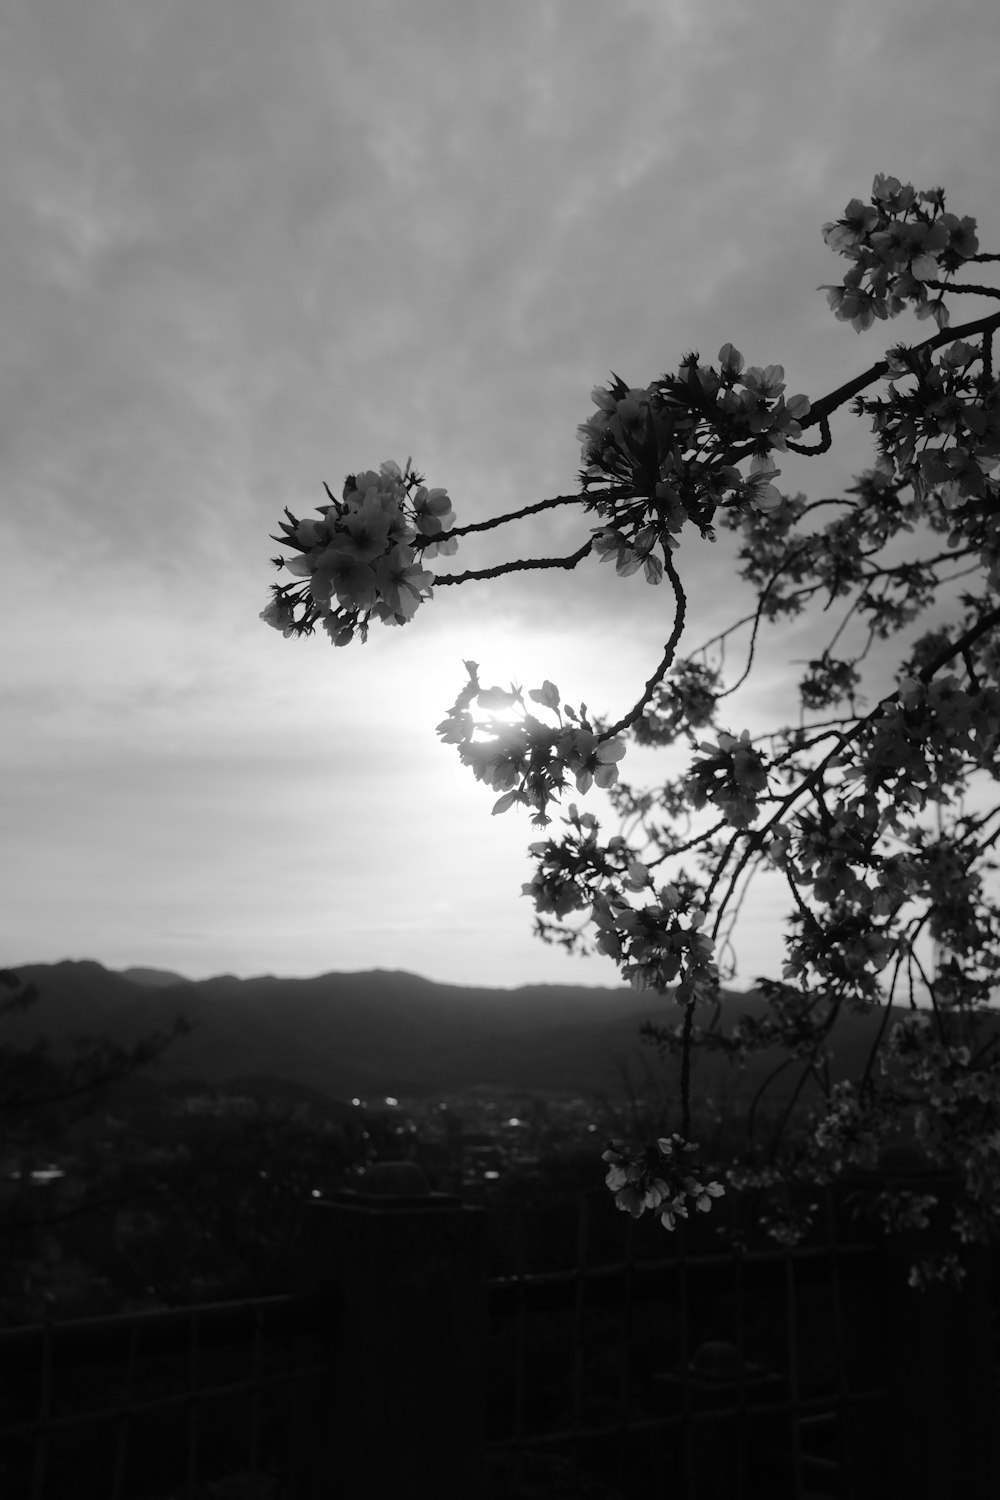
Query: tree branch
[524,565]
[669,651]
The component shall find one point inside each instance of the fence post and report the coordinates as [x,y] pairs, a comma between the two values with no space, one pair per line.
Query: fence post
[936,1434]
[402,1412]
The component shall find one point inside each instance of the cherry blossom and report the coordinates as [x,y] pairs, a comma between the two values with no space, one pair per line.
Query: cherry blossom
[877,807]
[362,560]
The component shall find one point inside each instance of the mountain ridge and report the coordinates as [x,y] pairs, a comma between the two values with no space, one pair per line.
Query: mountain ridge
[389,1032]
[343,1032]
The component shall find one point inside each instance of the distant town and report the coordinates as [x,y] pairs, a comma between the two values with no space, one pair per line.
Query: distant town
[127,1212]
[185,1178]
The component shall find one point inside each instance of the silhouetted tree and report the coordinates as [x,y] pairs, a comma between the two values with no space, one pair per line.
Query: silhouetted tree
[45,1094]
[881,820]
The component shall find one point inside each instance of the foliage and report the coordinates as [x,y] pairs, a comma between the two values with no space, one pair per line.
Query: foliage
[225,1205]
[45,1096]
[881,820]
[44,1093]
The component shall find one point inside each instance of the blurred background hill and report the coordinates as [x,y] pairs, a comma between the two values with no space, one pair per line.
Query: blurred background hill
[385,1032]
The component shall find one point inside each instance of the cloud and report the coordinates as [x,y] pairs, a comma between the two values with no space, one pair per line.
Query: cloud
[249,248]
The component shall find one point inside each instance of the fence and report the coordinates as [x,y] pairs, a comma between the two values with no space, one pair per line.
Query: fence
[128,1405]
[404,1369]
[736,1373]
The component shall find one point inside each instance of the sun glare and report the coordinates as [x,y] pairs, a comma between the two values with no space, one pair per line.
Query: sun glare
[507,657]
[489,720]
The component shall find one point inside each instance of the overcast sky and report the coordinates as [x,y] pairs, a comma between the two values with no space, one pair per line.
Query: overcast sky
[248,247]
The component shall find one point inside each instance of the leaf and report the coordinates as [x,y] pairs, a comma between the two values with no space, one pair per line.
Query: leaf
[627,563]
[610,751]
[503,803]
[495,697]
[455,729]
[653,568]
[547,695]
[731,359]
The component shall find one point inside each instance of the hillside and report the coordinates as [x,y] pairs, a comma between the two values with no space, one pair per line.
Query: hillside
[382,1032]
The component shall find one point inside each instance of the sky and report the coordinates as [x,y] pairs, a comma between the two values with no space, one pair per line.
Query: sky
[247,248]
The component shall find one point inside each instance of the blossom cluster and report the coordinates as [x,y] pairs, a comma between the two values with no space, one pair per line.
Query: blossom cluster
[527,760]
[949,1098]
[828,681]
[656,1181]
[941,432]
[795,1020]
[659,944]
[683,703]
[897,242]
[732,775]
[847,951]
[655,944]
[938,431]
[851,1126]
[673,447]
[570,871]
[850,795]
[923,743]
[363,558]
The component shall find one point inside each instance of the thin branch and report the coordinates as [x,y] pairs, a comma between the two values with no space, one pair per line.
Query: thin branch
[849,615]
[669,652]
[120,1068]
[692,843]
[82,1207]
[757,836]
[982,627]
[517,515]
[760,1092]
[829,500]
[726,938]
[808,915]
[686,1069]
[929,986]
[524,565]
[819,412]
[924,562]
[823,446]
[758,617]
[829,404]
[974,291]
[809,1071]
[720,639]
[880,1034]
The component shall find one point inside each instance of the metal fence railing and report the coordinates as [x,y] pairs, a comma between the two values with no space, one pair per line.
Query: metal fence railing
[408,1366]
[738,1373]
[145,1405]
